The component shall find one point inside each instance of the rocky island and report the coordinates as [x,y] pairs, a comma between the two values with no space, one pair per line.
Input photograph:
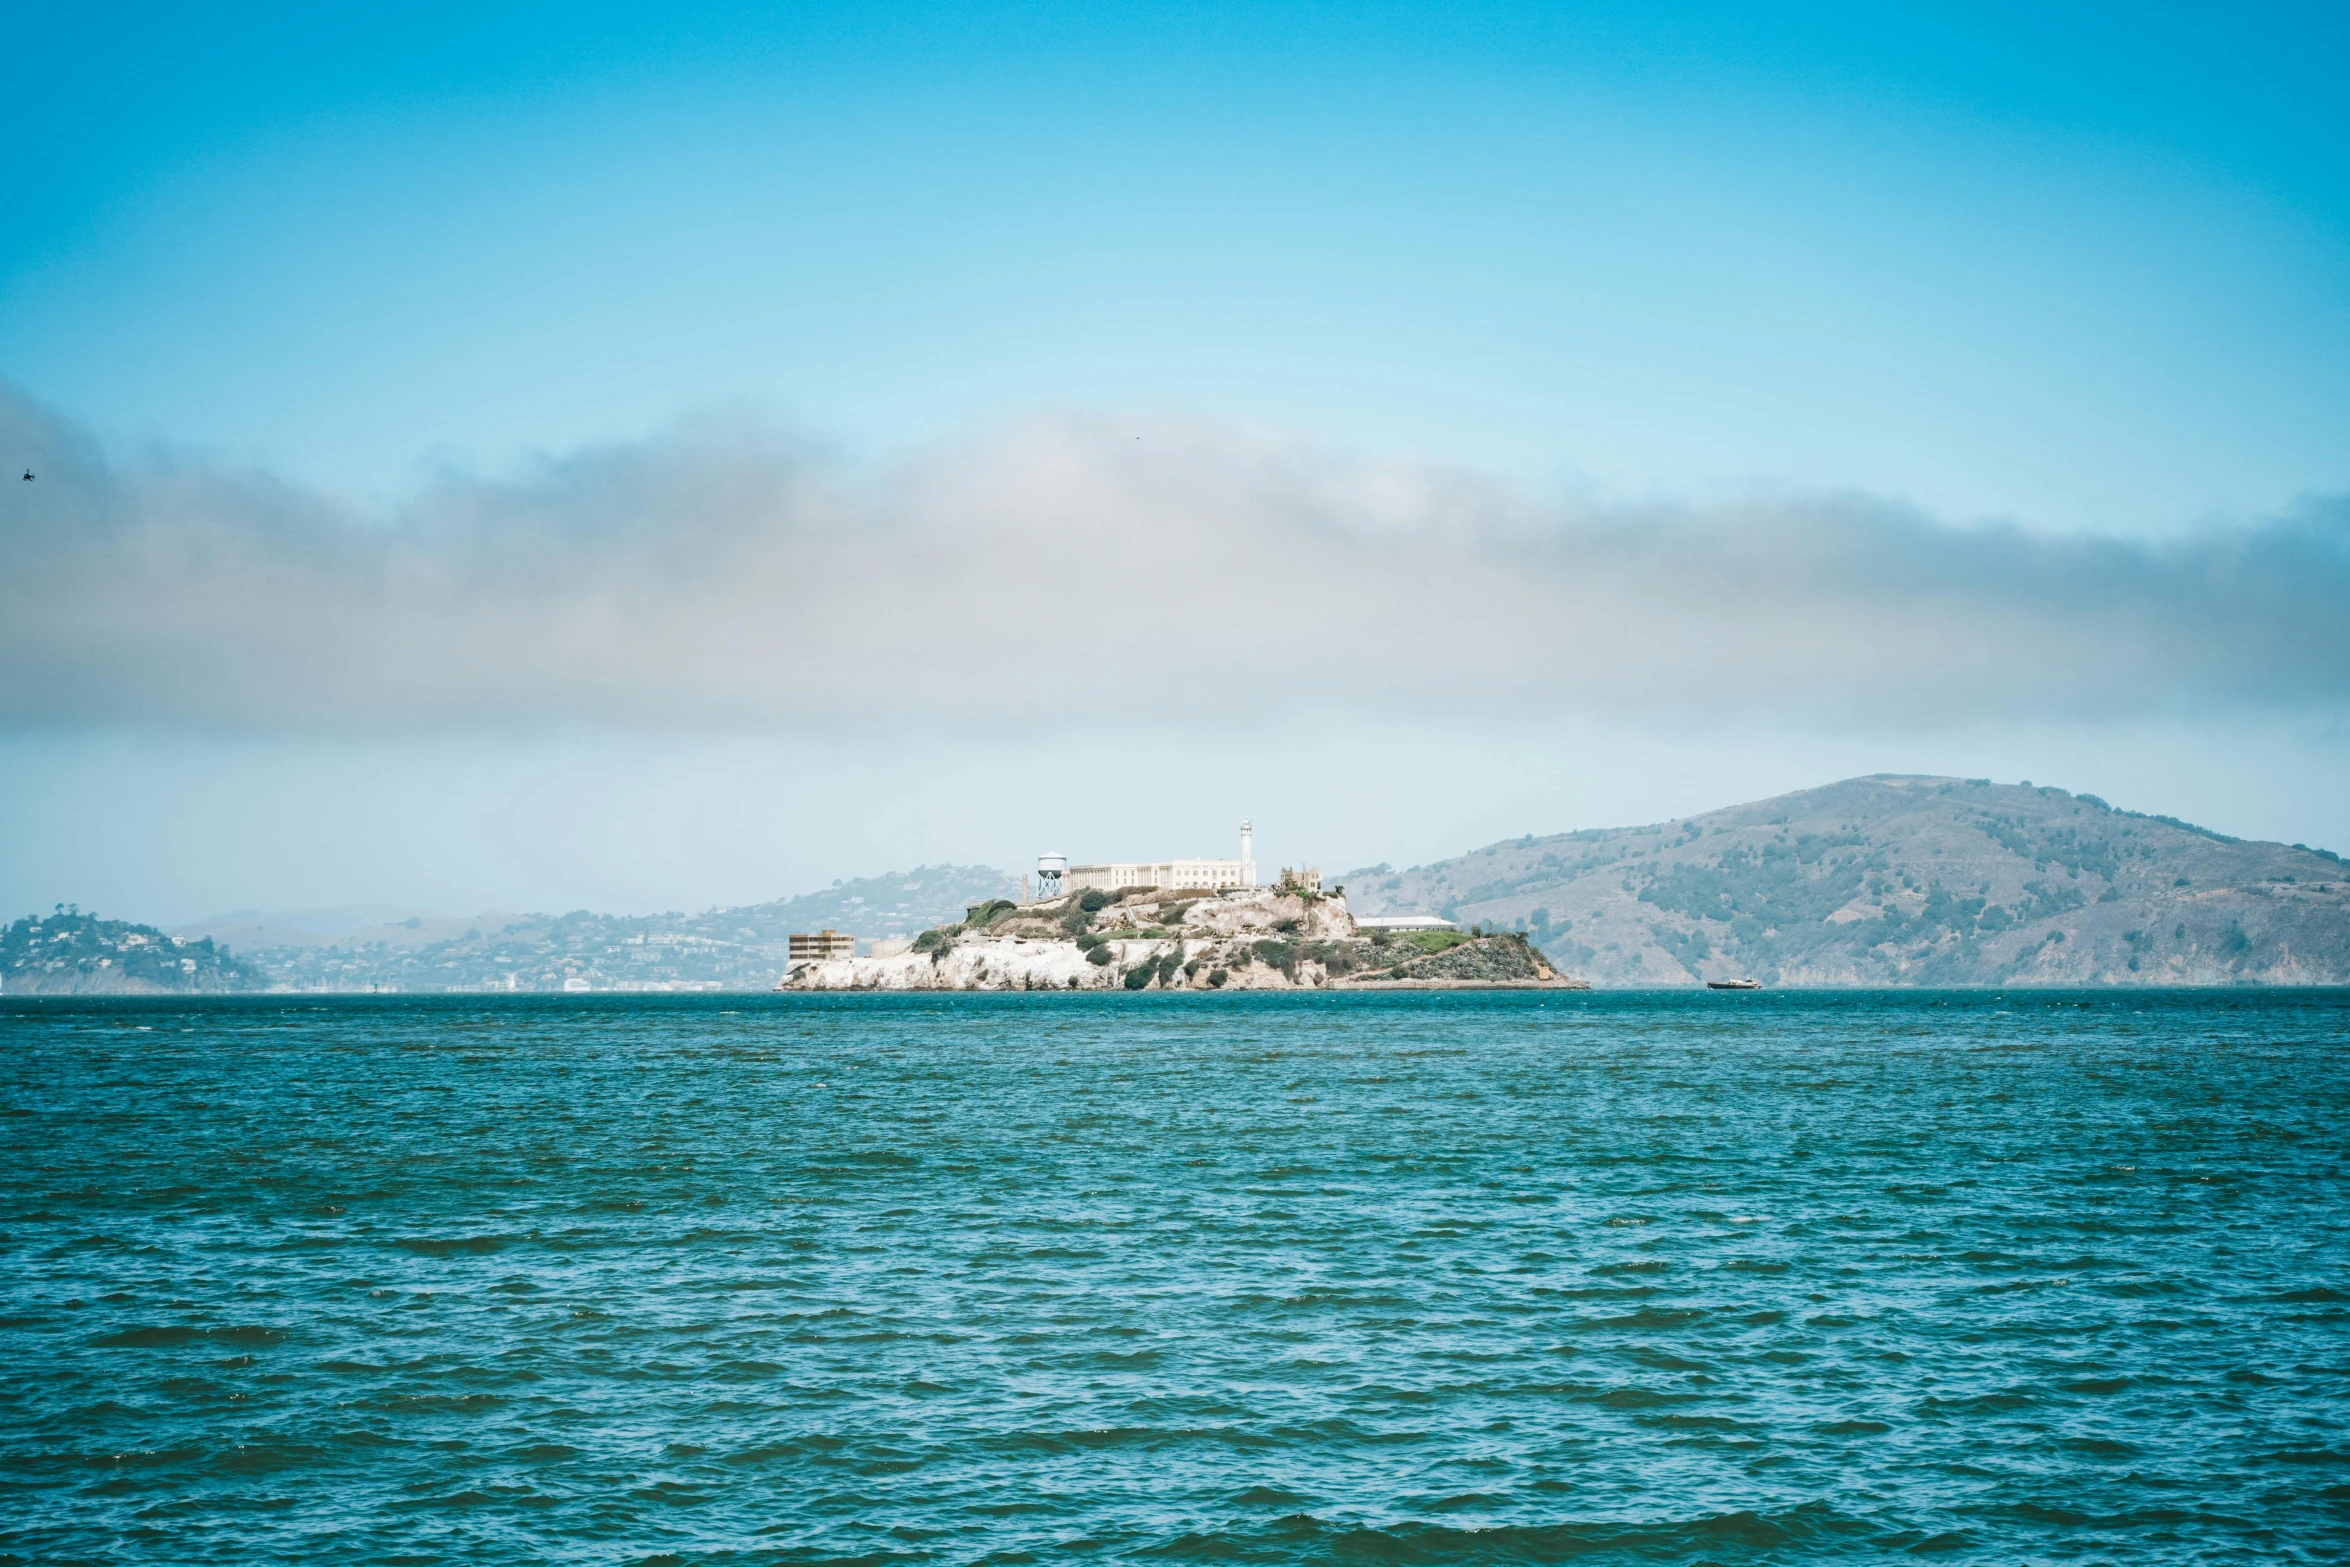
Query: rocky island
[1291,936]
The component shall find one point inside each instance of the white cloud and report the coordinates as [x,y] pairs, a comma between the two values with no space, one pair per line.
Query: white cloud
[727,577]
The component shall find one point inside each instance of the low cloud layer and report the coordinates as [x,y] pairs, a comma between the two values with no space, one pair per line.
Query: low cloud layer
[728,577]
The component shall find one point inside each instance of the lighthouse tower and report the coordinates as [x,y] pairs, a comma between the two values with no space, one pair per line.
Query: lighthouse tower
[1248,859]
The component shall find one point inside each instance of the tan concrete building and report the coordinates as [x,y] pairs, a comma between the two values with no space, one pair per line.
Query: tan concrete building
[821,945]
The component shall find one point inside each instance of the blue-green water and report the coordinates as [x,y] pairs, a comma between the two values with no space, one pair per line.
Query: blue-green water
[1487,1278]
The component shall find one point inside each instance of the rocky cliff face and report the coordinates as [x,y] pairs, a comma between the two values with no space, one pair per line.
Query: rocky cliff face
[1902,881]
[1280,939]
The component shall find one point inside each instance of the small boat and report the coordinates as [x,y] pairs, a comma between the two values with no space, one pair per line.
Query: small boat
[1733,984]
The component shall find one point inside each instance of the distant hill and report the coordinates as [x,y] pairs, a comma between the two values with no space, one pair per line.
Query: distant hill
[730,948]
[80,954]
[249,929]
[1902,881]
[1874,881]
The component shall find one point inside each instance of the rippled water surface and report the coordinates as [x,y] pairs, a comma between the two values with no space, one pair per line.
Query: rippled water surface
[1770,1277]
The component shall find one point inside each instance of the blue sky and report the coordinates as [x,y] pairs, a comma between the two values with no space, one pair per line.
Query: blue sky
[2083,273]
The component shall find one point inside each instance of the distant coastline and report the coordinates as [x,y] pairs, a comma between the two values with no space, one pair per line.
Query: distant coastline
[1892,882]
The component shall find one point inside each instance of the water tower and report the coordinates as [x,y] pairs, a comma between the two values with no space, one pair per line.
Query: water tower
[1050,868]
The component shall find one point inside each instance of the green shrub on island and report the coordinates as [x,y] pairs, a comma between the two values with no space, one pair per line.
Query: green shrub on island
[1217,978]
[937,940]
[1277,955]
[1336,957]
[1098,955]
[982,915]
[1503,957]
[1093,901]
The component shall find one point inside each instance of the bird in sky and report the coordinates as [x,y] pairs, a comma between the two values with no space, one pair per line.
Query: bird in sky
[28,473]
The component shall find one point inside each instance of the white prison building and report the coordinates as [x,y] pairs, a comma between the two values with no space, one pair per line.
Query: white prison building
[1170,875]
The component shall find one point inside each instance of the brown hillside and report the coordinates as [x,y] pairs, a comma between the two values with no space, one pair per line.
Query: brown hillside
[1903,881]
